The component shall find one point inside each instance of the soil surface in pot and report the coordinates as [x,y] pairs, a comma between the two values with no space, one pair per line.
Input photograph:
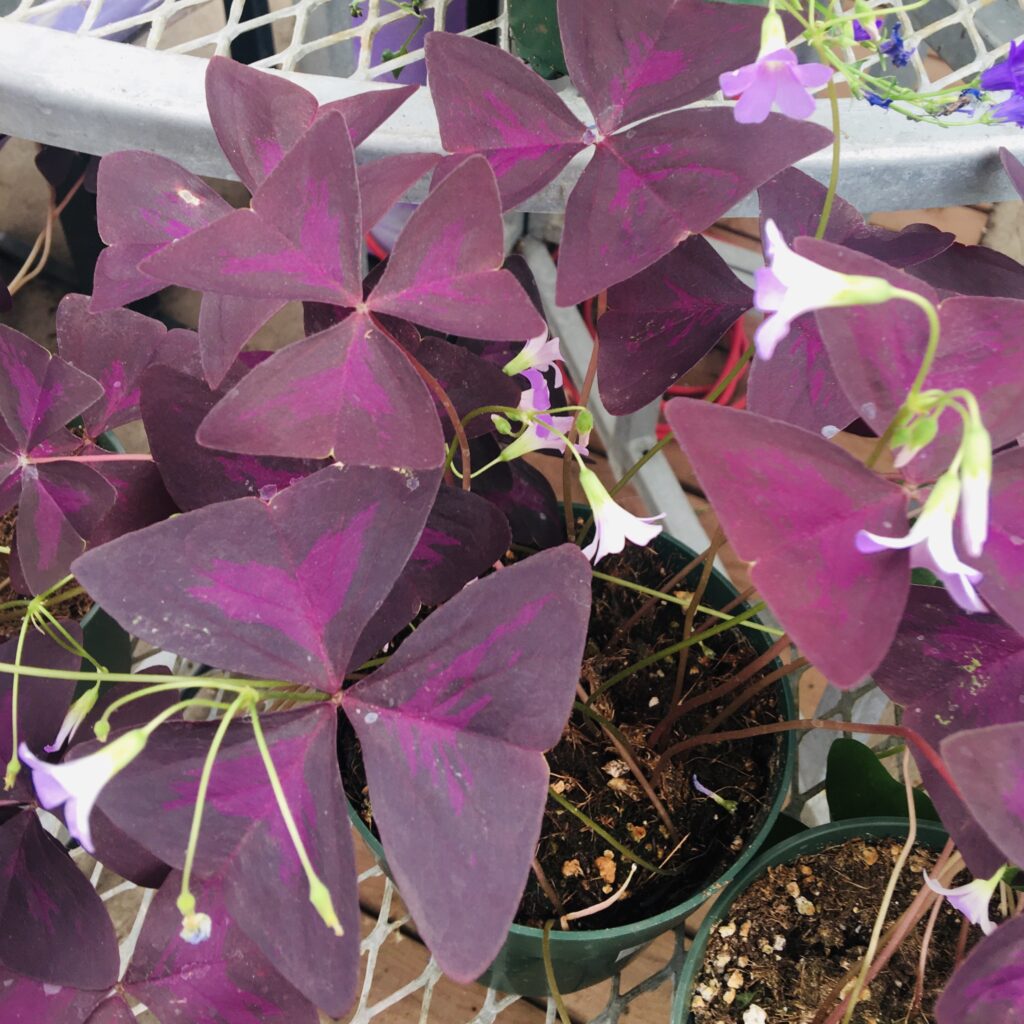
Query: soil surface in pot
[581,867]
[74,608]
[791,937]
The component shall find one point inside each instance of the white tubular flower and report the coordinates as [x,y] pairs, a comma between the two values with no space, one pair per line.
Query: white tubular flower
[613,525]
[76,785]
[76,715]
[976,480]
[540,353]
[930,541]
[973,899]
[791,285]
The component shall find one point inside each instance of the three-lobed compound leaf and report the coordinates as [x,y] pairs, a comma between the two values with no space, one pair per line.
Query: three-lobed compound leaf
[877,352]
[858,786]
[951,672]
[792,504]
[226,978]
[648,188]
[464,536]
[244,843]
[452,731]
[662,322]
[348,393]
[53,925]
[1002,559]
[988,988]
[114,348]
[61,505]
[279,589]
[986,764]
[174,405]
[39,393]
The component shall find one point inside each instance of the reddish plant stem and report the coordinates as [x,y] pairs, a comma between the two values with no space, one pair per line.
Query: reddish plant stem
[623,629]
[574,434]
[909,735]
[546,887]
[453,415]
[735,682]
[749,694]
[961,943]
[922,960]
[727,607]
[118,457]
[660,732]
[891,941]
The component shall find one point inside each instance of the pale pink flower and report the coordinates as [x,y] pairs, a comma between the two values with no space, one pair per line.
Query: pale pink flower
[613,525]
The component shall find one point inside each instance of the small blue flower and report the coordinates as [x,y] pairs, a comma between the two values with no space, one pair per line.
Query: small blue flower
[861,34]
[1007,73]
[877,101]
[895,48]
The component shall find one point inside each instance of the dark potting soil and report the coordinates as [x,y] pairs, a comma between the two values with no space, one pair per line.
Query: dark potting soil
[792,936]
[74,608]
[587,770]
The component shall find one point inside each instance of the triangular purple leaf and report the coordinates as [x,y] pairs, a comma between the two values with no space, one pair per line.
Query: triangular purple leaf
[988,988]
[226,323]
[799,385]
[526,498]
[488,101]
[384,182]
[144,202]
[630,61]
[61,504]
[225,979]
[464,536]
[470,381]
[347,393]
[662,322]
[173,406]
[257,117]
[1002,559]
[952,672]
[53,926]
[1014,169]
[973,270]
[986,765]
[452,731]
[113,348]
[39,393]
[792,504]
[279,589]
[877,350]
[244,843]
[140,499]
[446,269]
[31,1002]
[648,188]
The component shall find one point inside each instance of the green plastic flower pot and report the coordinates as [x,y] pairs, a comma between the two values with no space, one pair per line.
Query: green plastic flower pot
[582,958]
[813,840]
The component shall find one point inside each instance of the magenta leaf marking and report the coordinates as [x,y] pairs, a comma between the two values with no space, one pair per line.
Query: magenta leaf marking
[988,988]
[244,846]
[226,975]
[840,606]
[466,705]
[953,672]
[278,589]
[662,322]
